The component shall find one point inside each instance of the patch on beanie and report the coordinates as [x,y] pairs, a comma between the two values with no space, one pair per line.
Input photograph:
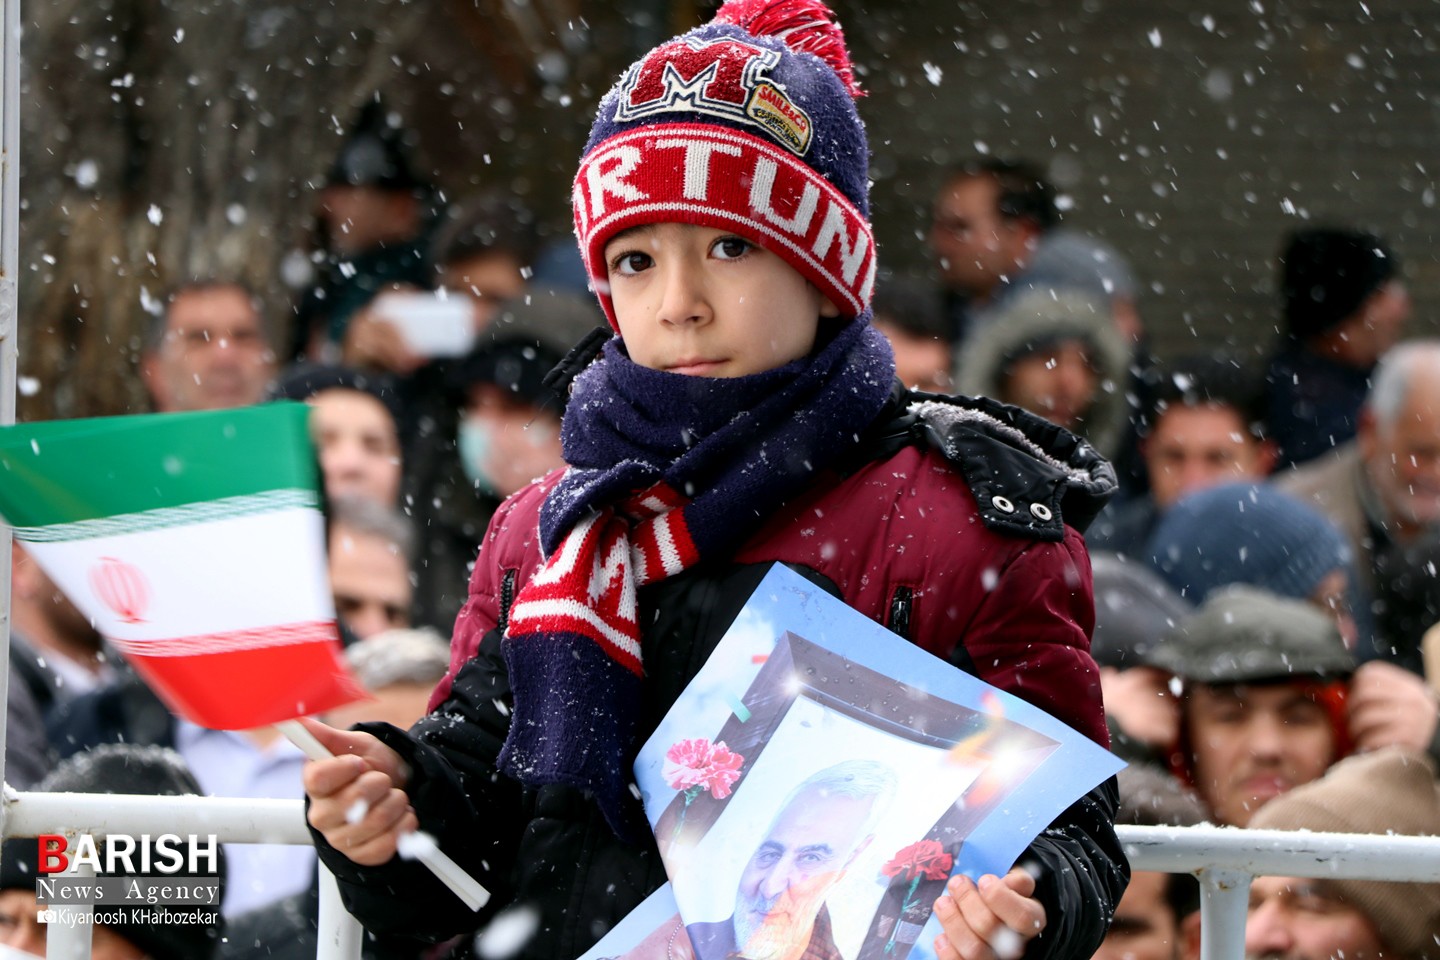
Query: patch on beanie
[722,77]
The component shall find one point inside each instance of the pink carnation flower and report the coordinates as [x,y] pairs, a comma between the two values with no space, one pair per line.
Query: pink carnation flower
[701,765]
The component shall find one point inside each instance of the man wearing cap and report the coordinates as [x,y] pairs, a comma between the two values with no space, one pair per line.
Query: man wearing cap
[1344,307]
[371,220]
[1262,705]
[1389,792]
[496,427]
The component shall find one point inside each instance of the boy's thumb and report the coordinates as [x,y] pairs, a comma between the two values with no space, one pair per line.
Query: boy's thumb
[338,742]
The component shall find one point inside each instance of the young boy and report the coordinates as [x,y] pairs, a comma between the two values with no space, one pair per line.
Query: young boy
[745,415]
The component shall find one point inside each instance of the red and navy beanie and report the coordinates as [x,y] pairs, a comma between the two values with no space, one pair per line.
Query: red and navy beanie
[747,123]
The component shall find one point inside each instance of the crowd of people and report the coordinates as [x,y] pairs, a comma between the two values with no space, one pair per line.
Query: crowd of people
[1265,592]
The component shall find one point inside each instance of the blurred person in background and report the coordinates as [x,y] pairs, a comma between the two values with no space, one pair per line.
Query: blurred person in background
[370,550]
[399,669]
[208,349]
[113,768]
[481,252]
[1390,793]
[372,217]
[1383,490]
[1345,305]
[1206,429]
[1261,702]
[1254,534]
[987,218]
[912,322]
[354,423]
[55,656]
[1057,356]
[1134,612]
[1158,918]
[500,431]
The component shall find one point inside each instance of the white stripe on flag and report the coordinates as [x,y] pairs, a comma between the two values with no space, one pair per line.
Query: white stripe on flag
[216,577]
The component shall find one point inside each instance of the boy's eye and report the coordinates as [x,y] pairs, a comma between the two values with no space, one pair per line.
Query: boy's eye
[731,248]
[630,263]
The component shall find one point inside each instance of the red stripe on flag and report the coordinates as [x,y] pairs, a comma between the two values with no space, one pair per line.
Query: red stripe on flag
[240,689]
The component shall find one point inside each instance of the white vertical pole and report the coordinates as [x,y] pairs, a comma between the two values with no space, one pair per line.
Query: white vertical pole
[71,940]
[1224,899]
[339,934]
[9,326]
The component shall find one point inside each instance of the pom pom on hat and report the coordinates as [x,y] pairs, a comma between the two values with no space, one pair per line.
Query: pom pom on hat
[747,123]
[806,26]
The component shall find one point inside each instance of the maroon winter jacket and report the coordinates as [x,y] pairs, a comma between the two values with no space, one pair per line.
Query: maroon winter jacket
[903,527]
[957,526]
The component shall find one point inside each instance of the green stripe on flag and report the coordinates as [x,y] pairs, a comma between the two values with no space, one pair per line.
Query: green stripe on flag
[69,471]
[227,508]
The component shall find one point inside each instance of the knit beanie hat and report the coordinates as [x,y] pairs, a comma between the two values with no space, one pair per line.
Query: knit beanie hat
[1327,273]
[747,124]
[1246,533]
[1389,791]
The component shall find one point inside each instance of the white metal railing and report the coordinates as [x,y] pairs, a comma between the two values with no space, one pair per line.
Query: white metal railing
[232,820]
[1224,858]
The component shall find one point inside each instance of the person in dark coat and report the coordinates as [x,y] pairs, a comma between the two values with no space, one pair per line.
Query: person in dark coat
[746,415]
[1345,306]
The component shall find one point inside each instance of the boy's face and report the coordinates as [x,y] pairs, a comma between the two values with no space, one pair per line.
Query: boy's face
[708,303]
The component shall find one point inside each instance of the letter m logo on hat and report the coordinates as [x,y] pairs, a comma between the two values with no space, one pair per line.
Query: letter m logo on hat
[721,77]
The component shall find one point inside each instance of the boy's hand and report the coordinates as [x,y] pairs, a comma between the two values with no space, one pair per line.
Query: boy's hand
[991,921]
[356,797]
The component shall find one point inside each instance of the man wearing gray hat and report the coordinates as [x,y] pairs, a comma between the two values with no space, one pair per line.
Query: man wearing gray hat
[1387,792]
[1262,706]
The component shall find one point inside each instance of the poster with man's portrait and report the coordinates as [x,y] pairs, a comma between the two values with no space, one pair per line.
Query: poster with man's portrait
[820,779]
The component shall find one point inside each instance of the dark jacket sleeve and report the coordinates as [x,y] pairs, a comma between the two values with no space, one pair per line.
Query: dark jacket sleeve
[1031,638]
[474,813]
[1082,872]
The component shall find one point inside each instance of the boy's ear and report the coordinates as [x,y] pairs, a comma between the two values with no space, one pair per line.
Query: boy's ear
[828,308]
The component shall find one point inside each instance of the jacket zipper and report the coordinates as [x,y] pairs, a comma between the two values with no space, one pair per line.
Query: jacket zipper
[901,603]
[507,597]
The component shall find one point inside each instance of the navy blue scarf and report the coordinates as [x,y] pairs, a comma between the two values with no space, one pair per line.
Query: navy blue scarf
[665,470]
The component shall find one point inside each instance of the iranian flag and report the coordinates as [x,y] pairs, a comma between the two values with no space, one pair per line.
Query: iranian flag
[195,543]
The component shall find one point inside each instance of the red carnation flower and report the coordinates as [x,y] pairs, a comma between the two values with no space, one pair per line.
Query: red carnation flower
[923,858]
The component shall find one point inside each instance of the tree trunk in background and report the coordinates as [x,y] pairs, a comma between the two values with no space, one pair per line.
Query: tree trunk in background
[168,140]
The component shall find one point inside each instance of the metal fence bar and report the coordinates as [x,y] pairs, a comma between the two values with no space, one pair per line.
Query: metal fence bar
[232,820]
[1282,853]
[1225,858]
